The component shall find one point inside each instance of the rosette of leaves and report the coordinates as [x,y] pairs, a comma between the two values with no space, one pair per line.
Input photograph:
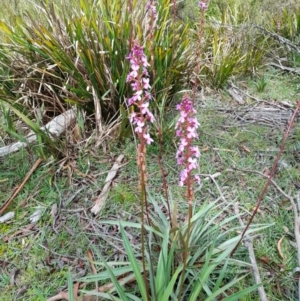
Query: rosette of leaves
[210,272]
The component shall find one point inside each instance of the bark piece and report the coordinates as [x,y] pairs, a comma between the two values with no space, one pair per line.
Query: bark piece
[54,128]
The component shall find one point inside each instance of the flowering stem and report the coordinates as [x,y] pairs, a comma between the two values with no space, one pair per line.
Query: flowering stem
[152,11]
[139,118]
[187,154]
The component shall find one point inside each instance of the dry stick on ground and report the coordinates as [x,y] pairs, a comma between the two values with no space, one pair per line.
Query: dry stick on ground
[296,210]
[249,244]
[54,128]
[19,188]
[100,202]
[104,288]
[94,270]
[283,41]
[269,178]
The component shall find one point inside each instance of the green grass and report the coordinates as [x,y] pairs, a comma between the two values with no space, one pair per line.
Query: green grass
[275,89]
[222,145]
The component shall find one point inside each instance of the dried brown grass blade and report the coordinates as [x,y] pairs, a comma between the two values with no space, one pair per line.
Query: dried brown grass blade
[19,188]
[100,202]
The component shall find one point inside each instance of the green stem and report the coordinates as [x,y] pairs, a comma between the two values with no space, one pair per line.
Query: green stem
[142,169]
[186,242]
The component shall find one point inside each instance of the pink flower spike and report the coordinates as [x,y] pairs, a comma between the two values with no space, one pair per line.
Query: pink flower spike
[186,131]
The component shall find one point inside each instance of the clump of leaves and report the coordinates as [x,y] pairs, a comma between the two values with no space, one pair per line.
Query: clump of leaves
[208,267]
[80,60]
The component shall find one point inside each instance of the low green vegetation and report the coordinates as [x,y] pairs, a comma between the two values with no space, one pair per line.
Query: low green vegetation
[57,55]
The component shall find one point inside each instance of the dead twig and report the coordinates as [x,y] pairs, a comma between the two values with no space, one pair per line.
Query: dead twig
[286,69]
[100,202]
[249,245]
[94,270]
[19,188]
[269,178]
[104,288]
[296,210]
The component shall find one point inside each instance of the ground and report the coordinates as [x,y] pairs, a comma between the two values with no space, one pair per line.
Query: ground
[237,147]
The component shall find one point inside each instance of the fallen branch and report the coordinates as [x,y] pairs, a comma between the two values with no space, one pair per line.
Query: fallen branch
[100,202]
[286,69]
[19,188]
[283,41]
[54,129]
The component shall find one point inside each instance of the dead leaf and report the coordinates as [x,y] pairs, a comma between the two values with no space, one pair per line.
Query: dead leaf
[245,148]
[258,210]
[205,149]
[279,247]
[53,211]
[36,215]
[265,260]
[94,270]
[266,171]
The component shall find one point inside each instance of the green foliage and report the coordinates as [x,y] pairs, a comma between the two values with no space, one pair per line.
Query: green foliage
[81,60]
[208,263]
[231,47]
[261,84]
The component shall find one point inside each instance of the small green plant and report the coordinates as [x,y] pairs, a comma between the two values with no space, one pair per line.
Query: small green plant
[261,84]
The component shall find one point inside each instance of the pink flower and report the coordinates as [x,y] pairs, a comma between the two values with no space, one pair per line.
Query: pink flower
[148,139]
[192,163]
[183,176]
[191,132]
[195,151]
[132,118]
[144,107]
[146,83]
[202,5]
[197,179]
[139,127]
